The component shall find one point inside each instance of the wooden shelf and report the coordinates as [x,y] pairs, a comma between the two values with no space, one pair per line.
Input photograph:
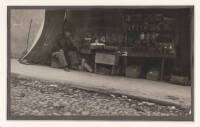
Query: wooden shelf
[146,54]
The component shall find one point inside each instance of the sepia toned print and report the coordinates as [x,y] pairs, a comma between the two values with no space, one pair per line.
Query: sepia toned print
[100,63]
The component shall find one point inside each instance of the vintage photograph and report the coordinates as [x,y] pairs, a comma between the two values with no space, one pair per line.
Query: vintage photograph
[100,63]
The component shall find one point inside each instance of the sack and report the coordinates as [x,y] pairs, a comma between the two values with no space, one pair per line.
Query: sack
[133,71]
[153,74]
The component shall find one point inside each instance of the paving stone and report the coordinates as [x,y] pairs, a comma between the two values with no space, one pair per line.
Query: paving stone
[41,98]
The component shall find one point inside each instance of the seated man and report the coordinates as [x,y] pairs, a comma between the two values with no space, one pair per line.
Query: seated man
[65,54]
[61,50]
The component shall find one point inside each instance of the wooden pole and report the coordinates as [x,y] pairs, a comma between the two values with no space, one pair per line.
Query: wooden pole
[28,36]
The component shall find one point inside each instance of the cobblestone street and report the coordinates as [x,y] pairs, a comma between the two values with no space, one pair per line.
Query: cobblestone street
[37,98]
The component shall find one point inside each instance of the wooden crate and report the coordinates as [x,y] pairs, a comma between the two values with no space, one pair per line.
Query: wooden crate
[153,74]
[133,71]
[108,59]
[183,80]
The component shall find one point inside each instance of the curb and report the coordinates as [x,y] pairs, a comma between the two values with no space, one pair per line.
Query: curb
[102,90]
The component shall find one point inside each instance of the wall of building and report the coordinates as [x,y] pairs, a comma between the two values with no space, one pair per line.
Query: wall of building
[95,21]
[19,27]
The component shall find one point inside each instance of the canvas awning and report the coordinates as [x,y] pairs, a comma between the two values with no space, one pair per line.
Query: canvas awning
[41,49]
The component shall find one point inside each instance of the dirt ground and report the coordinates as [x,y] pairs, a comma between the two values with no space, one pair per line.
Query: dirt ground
[39,98]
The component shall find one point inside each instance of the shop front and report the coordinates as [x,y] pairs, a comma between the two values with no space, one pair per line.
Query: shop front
[150,43]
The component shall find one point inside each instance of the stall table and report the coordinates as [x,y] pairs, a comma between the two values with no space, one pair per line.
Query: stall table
[148,55]
[112,59]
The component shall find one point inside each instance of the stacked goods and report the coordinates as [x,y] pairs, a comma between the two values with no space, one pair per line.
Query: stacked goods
[133,71]
[111,48]
[153,74]
[183,80]
[97,45]
[152,34]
